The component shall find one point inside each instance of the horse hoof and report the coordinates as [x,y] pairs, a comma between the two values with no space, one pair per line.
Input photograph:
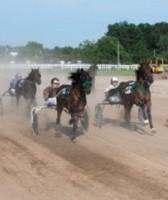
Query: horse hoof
[71,121]
[57,127]
[58,135]
[153,130]
[57,131]
[146,122]
[35,133]
[73,139]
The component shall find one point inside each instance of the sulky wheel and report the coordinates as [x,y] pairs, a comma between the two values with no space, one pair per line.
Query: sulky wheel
[35,123]
[99,115]
[85,120]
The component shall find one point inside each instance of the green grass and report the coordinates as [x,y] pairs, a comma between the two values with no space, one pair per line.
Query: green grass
[116,72]
[102,72]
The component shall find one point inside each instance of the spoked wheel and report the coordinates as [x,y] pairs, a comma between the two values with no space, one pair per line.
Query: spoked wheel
[141,116]
[1,106]
[85,120]
[34,123]
[99,115]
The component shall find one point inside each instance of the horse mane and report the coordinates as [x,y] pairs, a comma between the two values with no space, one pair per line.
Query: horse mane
[75,76]
[142,67]
[30,73]
[93,69]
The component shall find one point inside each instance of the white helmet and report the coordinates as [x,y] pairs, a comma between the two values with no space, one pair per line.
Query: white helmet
[18,76]
[55,80]
[114,78]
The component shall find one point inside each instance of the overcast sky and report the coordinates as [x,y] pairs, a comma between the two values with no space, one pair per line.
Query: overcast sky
[70,22]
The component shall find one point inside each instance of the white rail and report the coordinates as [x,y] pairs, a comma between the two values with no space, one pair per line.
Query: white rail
[66,66]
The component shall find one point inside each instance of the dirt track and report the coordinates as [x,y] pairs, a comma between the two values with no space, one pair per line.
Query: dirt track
[107,163]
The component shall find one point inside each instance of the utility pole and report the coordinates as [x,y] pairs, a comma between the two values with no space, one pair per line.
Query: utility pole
[118,53]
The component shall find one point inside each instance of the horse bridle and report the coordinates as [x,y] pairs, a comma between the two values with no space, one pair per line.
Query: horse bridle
[147,78]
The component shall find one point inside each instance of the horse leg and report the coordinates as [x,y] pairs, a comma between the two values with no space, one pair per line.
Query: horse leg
[28,107]
[144,113]
[17,101]
[153,130]
[93,84]
[74,121]
[127,115]
[34,102]
[58,120]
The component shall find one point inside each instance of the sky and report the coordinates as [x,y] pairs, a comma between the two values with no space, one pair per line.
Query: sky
[70,22]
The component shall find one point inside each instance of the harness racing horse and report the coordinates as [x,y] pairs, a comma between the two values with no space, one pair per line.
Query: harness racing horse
[139,94]
[27,88]
[73,99]
[93,72]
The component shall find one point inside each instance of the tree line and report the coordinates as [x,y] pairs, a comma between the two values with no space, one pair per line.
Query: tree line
[124,43]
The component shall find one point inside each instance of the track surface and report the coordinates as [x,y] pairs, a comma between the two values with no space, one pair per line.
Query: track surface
[108,163]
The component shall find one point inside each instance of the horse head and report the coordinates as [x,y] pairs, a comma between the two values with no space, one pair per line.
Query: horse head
[82,79]
[93,69]
[35,75]
[144,74]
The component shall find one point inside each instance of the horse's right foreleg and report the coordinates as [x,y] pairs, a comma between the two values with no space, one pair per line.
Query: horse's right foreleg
[58,120]
[127,115]
[59,112]
[17,101]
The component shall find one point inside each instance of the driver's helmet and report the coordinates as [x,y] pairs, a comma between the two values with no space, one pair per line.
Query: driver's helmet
[18,76]
[114,81]
[55,80]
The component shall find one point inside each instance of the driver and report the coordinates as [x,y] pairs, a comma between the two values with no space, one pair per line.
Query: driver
[114,83]
[49,93]
[12,84]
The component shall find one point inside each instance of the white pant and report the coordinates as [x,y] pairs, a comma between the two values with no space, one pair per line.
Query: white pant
[51,101]
[114,99]
[12,91]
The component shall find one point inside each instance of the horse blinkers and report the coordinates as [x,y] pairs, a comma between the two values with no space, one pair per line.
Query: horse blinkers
[37,76]
[87,85]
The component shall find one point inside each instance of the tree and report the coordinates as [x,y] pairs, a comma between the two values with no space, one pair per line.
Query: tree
[32,52]
[88,51]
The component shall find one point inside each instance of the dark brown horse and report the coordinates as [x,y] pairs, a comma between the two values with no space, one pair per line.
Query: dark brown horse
[27,88]
[73,98]
[93,72]
[138,93]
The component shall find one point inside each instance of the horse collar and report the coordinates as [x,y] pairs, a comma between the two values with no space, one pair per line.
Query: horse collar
[143,89]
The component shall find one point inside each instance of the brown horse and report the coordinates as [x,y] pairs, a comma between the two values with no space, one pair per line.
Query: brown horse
[93,72]
[138,93]
[73,98]
[27,88]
